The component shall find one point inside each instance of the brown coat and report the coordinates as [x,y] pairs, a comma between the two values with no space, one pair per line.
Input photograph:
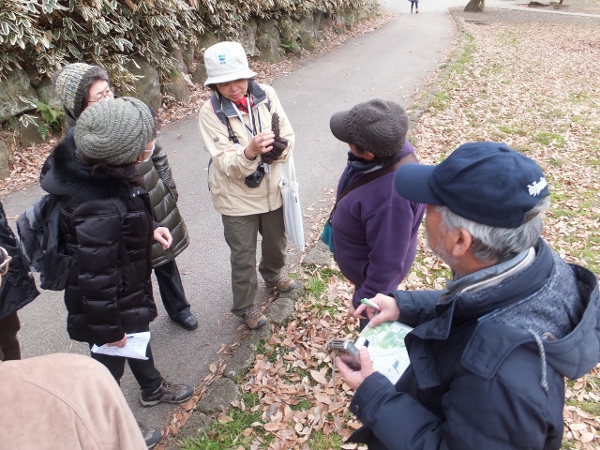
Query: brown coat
[64,401]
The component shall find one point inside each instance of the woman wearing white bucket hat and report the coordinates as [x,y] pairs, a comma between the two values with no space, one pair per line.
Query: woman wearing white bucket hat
[236,127]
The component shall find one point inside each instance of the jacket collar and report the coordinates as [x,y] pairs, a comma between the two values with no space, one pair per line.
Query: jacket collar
[258,94]
[67,176]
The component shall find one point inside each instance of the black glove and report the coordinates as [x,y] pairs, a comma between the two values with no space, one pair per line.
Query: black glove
[279,145]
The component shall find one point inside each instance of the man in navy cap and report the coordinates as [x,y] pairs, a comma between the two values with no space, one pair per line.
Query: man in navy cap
[489,354]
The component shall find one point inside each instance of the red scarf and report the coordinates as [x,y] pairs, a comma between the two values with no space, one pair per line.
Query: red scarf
[242,105]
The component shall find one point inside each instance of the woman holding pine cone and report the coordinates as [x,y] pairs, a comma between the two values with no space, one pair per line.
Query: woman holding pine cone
[248,135]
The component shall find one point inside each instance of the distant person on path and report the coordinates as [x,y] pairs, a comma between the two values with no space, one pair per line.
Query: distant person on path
[17,290]
[375,229]
[107,225]
[244,174]
[62,401]
[415,4]
[81,85]
[490,353]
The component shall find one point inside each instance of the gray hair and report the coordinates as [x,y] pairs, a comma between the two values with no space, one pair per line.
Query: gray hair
[498,244]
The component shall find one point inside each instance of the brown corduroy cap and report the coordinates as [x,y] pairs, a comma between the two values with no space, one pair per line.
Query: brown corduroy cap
[378,126]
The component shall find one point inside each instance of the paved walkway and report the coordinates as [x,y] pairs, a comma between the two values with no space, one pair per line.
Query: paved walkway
[391,63]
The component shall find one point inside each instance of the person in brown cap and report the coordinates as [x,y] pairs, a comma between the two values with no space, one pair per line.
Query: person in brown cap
[375,230]
[108,229]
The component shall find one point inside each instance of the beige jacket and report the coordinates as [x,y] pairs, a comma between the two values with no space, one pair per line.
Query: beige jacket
[231,196]
[66,402]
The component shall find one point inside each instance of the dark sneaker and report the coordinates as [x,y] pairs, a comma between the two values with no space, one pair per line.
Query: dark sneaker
[151,436]
[283,285]
[186,321]
[168,393]
[254,318]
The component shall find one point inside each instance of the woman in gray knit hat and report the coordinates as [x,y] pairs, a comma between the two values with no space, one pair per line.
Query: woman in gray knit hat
[107,226]
[79,86]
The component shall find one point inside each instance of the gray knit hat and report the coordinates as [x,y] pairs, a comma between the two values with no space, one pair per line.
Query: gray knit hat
[71,83]
[115,131]
[377,126]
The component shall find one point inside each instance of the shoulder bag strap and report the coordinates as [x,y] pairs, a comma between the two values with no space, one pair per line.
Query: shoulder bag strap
[410,158]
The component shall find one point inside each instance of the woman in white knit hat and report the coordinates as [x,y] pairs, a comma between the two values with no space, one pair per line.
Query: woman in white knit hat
[236,127]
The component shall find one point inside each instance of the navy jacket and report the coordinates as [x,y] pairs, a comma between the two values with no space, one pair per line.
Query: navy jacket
[478,384]
[18,285]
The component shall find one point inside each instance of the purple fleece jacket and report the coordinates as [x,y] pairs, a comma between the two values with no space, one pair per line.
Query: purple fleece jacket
[375,234]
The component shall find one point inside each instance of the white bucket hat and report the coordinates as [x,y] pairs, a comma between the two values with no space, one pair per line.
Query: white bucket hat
[226,61]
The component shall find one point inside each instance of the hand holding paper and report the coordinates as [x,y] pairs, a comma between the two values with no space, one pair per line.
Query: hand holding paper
[135,347]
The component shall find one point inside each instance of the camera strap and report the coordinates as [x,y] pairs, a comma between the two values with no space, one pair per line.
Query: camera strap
[252,131]
[333,379]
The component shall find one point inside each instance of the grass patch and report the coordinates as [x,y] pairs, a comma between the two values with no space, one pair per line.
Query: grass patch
[321,442]
[547,138]
[591,407]
[466,57]
[577,97]
[315,285]
[230,435]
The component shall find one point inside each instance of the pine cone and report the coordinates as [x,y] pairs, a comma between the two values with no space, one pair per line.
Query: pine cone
[275,124]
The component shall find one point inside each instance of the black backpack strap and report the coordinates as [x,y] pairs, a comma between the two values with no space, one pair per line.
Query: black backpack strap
[122,212]
[217,108]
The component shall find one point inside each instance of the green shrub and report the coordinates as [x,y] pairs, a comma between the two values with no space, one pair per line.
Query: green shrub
[53,119]
[48,34]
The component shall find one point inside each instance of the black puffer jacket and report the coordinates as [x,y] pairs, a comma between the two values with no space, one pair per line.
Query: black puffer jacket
[18,286]
[105,297]
[159,183]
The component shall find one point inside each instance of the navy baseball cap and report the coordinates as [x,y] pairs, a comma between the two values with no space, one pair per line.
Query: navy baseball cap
[486,182]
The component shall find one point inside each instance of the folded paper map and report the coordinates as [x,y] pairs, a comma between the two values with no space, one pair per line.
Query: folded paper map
[386,348]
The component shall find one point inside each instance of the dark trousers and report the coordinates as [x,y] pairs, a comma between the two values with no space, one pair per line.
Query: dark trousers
[171,289]
[147,376]
[9,344]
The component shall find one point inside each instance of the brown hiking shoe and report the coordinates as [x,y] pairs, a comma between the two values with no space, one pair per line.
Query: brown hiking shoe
[254,318]
[283,285]
[167,392]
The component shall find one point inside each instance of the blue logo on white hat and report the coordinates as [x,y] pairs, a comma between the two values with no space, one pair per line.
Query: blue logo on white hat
[221,59]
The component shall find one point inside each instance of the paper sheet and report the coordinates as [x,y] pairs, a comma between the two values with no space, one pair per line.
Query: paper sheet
[135,347]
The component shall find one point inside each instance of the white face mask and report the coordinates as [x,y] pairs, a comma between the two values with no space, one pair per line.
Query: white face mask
[149,153]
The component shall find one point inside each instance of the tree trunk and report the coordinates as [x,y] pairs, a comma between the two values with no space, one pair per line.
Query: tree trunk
[475,6]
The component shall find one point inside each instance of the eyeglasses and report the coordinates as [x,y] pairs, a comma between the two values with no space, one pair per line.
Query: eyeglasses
[5,261]
[104,95]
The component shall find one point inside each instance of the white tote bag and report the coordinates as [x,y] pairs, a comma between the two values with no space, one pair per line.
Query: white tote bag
[292,212]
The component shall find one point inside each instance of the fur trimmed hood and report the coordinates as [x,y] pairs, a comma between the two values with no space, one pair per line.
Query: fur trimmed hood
[63,174]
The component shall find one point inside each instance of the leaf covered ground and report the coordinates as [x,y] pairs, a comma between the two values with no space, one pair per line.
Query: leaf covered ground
[519,77]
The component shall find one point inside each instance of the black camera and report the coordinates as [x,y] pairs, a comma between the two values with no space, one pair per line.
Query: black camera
[254,180]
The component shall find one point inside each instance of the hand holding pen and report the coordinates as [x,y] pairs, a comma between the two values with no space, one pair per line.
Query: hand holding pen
[379,309]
